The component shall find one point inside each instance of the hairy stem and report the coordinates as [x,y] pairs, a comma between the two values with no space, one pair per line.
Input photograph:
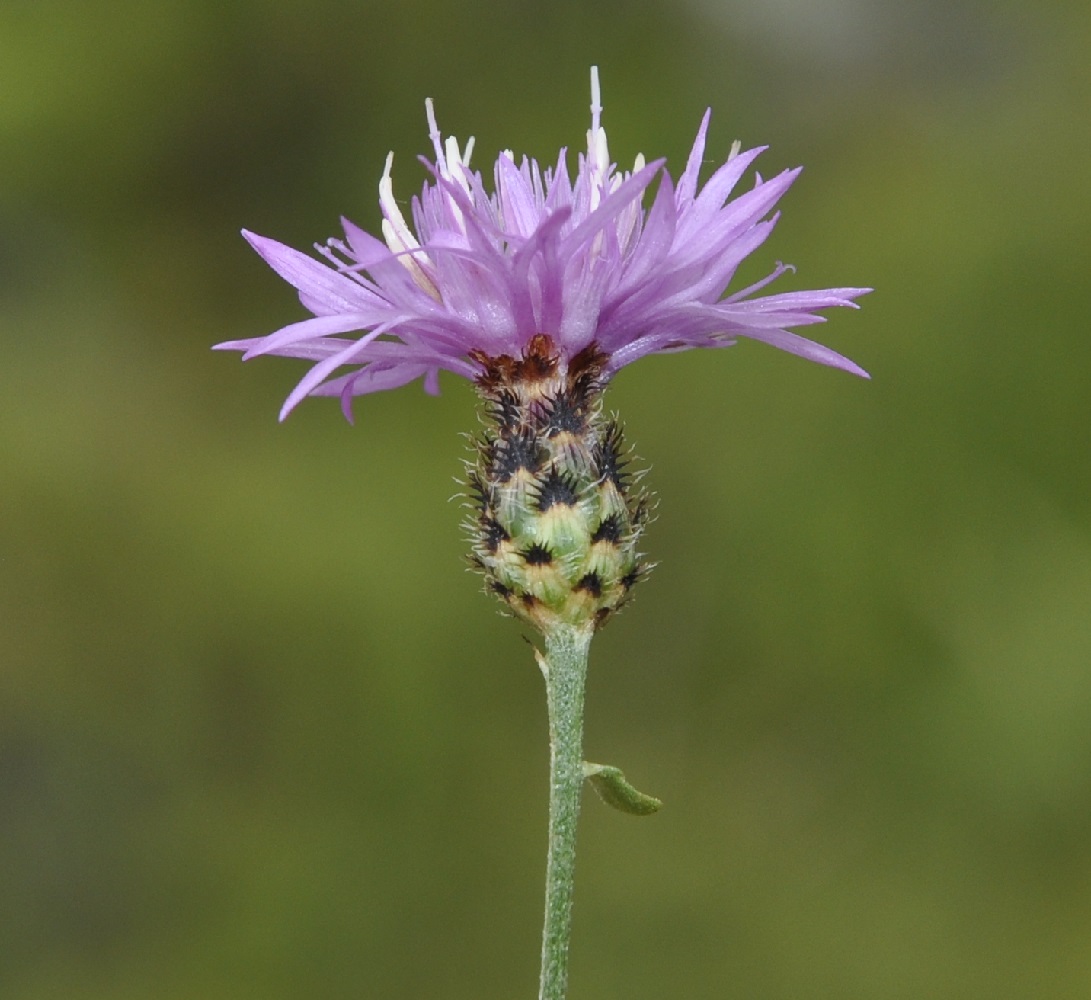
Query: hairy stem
[565,668]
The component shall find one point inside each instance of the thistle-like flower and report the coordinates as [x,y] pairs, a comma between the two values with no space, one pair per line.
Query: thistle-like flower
[539,291]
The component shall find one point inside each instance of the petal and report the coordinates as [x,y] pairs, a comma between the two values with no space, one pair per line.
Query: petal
[713,195]
[327,292]
[795,344]
[367,250]
[687,183]
[320,326]
[821,299]
[320,371]
[519,209]
[632,189]
[656,239]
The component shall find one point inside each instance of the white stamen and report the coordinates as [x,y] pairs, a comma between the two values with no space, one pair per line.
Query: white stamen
[596,99]
[598,154]
[399,237]
[433,134]
[454,157]
[452,165]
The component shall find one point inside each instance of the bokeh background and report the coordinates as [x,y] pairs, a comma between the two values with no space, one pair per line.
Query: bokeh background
[262,737]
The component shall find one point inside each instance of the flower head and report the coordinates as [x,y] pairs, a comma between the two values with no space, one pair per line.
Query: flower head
[480,274]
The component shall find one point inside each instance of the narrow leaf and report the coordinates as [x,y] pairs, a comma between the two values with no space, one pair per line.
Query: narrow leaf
[615,791]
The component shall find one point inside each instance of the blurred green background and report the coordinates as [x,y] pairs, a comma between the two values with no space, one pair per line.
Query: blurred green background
[262,737]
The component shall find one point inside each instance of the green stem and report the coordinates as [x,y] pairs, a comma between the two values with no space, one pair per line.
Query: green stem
[565,668]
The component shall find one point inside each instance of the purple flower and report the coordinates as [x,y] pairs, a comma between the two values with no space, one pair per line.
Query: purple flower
[582,261]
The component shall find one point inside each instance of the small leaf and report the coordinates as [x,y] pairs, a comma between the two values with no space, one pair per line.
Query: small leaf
[615,791]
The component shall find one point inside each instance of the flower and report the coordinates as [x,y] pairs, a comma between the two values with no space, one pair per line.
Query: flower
[480,274]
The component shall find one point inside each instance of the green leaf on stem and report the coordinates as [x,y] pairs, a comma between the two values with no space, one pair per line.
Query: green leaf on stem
[615,791]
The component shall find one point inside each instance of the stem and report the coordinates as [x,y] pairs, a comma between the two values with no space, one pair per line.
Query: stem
[565,668]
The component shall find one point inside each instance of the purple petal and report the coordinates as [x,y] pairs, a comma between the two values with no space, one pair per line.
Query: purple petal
[320,326]
[577,258]
[794,344]
[325,289]
[687,183]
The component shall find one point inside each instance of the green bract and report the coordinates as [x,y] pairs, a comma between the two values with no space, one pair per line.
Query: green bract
[556,517]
